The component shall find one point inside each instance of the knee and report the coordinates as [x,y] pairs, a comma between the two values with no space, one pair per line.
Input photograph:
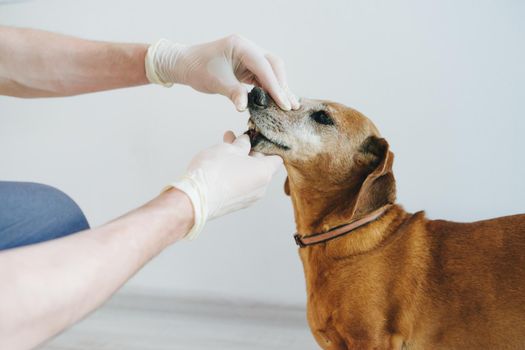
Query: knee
[38,213]
[58,210]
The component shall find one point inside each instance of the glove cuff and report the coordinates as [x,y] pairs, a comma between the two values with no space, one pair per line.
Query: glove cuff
[190,185]
[160,60]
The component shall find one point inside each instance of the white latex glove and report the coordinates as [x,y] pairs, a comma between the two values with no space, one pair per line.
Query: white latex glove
[225,178]
[220,67]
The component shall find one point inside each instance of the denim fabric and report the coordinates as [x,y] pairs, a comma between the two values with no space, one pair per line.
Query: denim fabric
[32,213]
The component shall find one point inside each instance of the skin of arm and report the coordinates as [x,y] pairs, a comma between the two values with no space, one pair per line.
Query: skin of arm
[35,63]
[49,286]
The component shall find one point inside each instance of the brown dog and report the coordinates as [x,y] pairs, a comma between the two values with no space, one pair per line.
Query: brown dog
[396,280]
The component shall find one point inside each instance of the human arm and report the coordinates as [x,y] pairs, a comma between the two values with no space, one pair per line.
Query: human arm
[47,287]
[35,63]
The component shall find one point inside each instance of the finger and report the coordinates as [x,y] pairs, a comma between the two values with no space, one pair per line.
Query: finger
[239,96]
[243,142]
[293,99]
[261,68]
[274,163]
[278,68]
[256,154]
[255,82]
[228,137]
[280,72]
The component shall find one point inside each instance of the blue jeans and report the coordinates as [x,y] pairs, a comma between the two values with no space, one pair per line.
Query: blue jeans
[32,213]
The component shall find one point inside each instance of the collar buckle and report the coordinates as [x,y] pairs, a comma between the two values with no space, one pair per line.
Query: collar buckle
[298,240]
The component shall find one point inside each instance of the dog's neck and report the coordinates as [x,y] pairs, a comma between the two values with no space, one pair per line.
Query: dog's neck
[319,206]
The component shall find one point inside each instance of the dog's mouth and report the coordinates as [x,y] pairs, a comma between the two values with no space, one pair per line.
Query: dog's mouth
[256,136]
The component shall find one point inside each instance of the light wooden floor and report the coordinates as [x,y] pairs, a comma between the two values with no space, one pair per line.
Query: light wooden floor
[133,322]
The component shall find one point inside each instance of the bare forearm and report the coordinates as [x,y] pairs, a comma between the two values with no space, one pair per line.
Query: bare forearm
[47,287]
[36,63]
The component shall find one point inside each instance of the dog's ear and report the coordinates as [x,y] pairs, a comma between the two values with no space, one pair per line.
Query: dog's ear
[373,152]
[287,186]
[378,188]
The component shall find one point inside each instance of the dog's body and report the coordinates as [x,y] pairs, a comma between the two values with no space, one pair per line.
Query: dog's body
[426,284]
[401,281]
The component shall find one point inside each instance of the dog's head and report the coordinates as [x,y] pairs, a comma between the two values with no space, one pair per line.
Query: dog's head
[325,146]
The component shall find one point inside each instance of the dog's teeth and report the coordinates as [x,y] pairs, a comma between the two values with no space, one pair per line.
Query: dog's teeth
[253,126]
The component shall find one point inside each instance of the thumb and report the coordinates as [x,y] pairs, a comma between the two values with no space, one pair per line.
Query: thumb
[228,137]
[239,96]
[273,163]
[243,143]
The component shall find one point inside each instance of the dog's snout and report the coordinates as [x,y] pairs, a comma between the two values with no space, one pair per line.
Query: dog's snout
[257,98]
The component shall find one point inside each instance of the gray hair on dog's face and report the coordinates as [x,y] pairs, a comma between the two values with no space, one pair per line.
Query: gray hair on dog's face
[318,129]
[290,132]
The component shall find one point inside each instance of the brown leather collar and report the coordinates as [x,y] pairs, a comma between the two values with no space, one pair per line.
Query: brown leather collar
[305,241]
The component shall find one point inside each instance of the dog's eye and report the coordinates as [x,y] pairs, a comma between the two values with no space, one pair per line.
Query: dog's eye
[322,117]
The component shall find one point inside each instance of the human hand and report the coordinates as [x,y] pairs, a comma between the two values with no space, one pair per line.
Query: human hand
[220,67]
[225,178]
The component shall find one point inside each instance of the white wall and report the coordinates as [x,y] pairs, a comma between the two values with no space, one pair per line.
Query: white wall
[443,80]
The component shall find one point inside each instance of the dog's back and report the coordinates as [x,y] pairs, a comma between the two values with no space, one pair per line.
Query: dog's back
[476,283]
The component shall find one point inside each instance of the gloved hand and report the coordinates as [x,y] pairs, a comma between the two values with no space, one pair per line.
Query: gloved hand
[225,178]
[220,67]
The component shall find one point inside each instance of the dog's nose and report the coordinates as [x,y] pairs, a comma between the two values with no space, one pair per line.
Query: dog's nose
[257,98]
